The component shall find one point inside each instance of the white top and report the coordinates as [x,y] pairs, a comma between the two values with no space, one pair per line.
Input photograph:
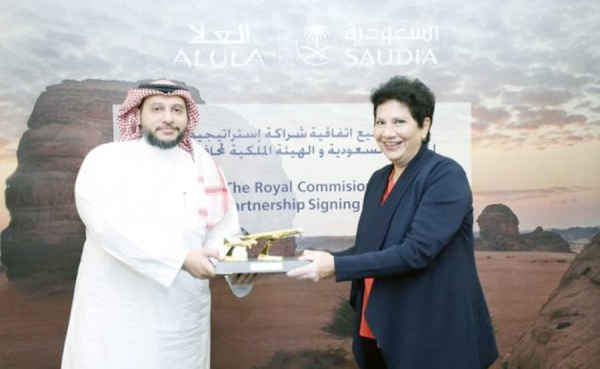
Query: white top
[133,305]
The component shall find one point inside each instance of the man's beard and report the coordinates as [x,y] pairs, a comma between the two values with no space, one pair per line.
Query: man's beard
[161,144]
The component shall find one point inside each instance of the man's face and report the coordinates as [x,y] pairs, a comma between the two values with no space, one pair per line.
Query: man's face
[164,120]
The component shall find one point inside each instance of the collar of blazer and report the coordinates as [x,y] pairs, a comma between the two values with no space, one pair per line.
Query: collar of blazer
[376,217]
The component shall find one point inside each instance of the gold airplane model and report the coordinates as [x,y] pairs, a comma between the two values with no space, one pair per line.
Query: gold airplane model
[250,240]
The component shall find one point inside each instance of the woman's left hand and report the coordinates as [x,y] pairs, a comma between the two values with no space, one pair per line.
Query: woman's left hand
[321,266]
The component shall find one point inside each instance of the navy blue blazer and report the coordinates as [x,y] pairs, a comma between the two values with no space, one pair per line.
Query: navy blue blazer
[426,309]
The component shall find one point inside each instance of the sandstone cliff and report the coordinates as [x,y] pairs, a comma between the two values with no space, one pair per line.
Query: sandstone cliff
[566,333]
[499,231]
[541,240]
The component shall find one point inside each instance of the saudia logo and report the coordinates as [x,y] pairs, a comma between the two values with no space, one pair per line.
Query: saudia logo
[312,47]
[367,46]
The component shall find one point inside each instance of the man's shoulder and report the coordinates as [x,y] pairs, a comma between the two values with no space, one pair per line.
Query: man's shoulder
[199,150]
[110,148]
[201,155]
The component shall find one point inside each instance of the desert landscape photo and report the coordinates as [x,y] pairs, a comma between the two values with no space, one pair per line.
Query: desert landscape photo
[281,315]
[283,90]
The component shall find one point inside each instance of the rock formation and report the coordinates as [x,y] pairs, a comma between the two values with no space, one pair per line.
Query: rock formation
[499,231]
[541,240]
[566,333]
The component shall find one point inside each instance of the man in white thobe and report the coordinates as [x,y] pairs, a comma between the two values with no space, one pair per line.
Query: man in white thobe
[156,209]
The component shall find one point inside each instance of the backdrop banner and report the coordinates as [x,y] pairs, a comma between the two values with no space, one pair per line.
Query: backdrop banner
[283,93]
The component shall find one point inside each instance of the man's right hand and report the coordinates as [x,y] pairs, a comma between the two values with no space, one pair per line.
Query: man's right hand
[197,262]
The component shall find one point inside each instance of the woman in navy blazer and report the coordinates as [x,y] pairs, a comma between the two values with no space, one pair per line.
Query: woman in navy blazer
[415,288]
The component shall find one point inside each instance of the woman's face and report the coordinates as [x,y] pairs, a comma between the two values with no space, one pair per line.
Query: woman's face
[398,135]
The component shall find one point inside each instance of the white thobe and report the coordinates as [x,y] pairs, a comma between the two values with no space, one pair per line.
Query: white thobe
[133,306]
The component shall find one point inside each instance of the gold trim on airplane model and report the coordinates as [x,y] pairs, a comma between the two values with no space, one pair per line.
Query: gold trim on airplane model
[250,240]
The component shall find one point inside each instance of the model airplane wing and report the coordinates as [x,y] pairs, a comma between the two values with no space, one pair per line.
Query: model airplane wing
[273,235]
[242,243]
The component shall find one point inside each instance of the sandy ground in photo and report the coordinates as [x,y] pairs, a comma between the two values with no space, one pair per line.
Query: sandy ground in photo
[280,314]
